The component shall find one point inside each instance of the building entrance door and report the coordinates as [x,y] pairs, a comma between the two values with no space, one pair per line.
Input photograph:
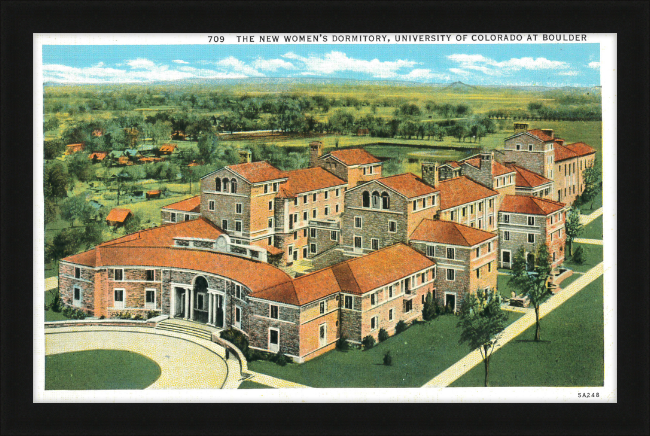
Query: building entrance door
[357,243]
[450,302]
[219,322]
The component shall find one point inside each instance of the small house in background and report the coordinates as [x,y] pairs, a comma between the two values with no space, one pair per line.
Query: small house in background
[118,217]
[75,148]
[148,151]
[145,160]
[132,154]
[193,164]
[98,133]
[153,194]
[179,134]
[97,156]
[167,149]
[363,132]
[124,161]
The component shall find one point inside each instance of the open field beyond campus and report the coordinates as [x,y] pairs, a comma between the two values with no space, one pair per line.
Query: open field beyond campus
[419,354]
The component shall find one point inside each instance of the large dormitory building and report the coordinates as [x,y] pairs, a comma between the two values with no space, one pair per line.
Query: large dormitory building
[379,244]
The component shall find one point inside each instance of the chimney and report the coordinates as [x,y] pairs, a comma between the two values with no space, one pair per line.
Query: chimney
[520,127]
[548,132]
[245,156]
[315,151]
[430,173]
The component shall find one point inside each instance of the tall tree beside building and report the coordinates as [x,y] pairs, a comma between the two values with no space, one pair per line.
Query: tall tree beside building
[56,181]
[573,227]
[76,208]
[481,321]
[591,177]
[532,279]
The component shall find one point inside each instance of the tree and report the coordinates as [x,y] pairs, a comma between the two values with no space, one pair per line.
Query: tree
[92,235]
[64,244]
[533,283]
[50,211]
[207,146]
[161,131]
[76,208]
[53,148]
[80,167]
[591,177]
[56,181]
[572,227]
[481,321]
[429,309]
[133,224]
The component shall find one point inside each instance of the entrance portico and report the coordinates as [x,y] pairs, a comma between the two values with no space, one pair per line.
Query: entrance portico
[198,303]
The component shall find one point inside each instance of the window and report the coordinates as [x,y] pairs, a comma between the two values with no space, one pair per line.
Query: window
[375,243]
[270,222]
[423,276]
[431,250]
[374,322]
[337,208]
[295,235]
[373,299]
[224,224]
[452,215]
[211,205]
[226,185]
[478,251]
[480,207]
[323,306]
[295,201]
[312,248]
[187,217]
[305,216]
[505,256]
[375,200]
[531,220]
[312,233]
[327,210]
[357,222]
[275,187]
[150,299]
[333,235]
[77,272]
[233,186]
[408,306]
[423,296]
[464,211]
[304,233]
[385,200]
[266,189]
[530,147]
[491,202]
[489,247]
[270,240]
[326,194]
[238,291]
[478,273]
[392,226]
[365,199]
[290,250]
[390,291]
[424,202]
[506,218]
[76,296]
[237,316]
[348,302]
[274,311]
[390,315]
[238,208]
[433,200]
[365,171]
[149,275]
[173,217]
[118,274]
[451,253]
[304,199]
[270,205]
[238,226]
[490,267]
[531,238]
[217,184]
[518,146]
[118,298]
[314,197]
[415,205]
[338,191]
[471,208]
[433,274]
[314,213]
[451,275]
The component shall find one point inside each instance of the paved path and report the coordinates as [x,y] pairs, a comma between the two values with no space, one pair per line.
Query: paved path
[186,362]
[51,283]
[468,362]
[273,382]
[586,219]
[588,241]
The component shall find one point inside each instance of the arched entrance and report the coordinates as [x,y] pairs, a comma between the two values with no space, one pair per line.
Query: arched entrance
[201,299]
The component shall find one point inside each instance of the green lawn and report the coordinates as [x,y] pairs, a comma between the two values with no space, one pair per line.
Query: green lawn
[593,255]
[419,354]
[51,315]
[587,209]
[593,230]
[571,352]
[99,369]
[252,385]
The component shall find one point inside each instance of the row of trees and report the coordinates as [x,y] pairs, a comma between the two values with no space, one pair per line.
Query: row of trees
[538,111]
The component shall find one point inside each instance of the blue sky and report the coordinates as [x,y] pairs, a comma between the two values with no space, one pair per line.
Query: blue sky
[479,64]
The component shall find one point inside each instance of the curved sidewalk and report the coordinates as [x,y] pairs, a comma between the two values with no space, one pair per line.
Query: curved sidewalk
[468,362]
[185,362]
[586,219]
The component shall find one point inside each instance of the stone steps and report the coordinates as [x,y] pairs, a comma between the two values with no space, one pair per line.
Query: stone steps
[186,327]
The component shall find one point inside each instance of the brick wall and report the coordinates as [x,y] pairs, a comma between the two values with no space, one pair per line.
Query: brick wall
[472,214]
[86,283]
[287,323]
[225,203]
[311,319]
[323,239]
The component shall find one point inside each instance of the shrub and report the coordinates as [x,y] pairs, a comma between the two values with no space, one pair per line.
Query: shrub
[73,313]
[258,355]
[383,335]
[579,256]
[281,359]
[401,326]
[138,317]
[429,311]
[55,306]
[102,317]
[368,342]
[388,359]
[342,343]
[238,339]
[152,314]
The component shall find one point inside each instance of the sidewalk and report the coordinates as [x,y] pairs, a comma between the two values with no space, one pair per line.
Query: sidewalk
[51,283]
[468,362]
[588,241]
[586,219]
[273,382]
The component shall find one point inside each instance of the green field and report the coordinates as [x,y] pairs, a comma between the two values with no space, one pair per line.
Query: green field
[593,255]
[593,230]
[252,385]
[571,352]
[100,370]
[419,354]
[51,315]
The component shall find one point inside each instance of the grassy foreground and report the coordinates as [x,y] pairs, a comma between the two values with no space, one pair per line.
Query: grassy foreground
[246,384]
[571,352]
[419,354]
[99,369]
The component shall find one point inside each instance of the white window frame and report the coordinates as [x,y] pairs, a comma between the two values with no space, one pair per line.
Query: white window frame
[345,302]
[528,220]
[338,191]
[77,272]
[506,235]
[455,299]
[431,250]
[274,348]
[241,226]
[123,302]
[327,210]
[122,275]
[305,215]
[150,305]
[372,243]
[528,238]
[322,341]
[172,217]
[224,224]
[271,205]
[277,311]
[146,271]
[326,194]
[238,311]
[238,291]
[270,222]
[375,320]
[453,279]
[447,253]
[313,248]
[322,307]
[211,205]
[334,234]
[509,257]
[312,232]
[390,314]
[389,223]
[239,207]
[360,226]
[314,213]
[76,302]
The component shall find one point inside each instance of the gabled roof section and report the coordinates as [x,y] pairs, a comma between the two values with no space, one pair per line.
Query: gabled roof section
[188,205]
[563,153]
[308,179]
[408,184]
[451,164]
[87,258]
[526,178]
[580,148]
[353,156]
[540,134]
[498,169]
[164,235]
[118,215]
[462,190]
[530,205]
[450,233]
[257,172]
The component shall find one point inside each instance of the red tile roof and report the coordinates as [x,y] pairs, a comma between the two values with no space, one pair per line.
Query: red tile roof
[100,155]
[563,153]
[447,232]
[304,289]
[164,235]
[461,190]
[453,164]
[308,179]
[541,135]
[256,172]
[154,192]
[497,168]
[118,215]
[168,147]
[188,205]
[529,205]
[580,148]
[408,184]
[526,178]
[354,156]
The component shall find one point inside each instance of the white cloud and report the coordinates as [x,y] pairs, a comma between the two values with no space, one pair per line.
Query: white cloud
[272,64]
[459,71]
[141,63]
[568,73]
[422,74]
[491,67]
[594,65]
[179,61]
[336,61]
[235,65]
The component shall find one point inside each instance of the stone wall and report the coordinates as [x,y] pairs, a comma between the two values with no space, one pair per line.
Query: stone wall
[86,283]
[287,323]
